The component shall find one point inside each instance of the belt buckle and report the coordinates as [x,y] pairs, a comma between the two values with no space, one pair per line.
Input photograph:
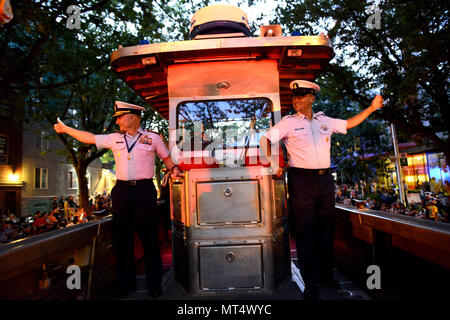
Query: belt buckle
[321,172]
[132,182]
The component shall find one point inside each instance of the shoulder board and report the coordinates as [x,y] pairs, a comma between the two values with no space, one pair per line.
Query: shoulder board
[151,131]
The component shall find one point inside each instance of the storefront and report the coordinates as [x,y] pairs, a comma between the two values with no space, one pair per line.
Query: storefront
[429,168]
[439,173]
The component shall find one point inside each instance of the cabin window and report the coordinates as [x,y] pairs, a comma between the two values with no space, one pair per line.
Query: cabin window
[235,123]
[225,128]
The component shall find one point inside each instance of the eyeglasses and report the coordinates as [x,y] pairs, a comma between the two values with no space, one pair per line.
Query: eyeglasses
[300,92]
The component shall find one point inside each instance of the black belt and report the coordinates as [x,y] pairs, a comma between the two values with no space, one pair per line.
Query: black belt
[141,182]
[311,172]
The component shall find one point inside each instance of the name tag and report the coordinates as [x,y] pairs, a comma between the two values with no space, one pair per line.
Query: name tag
[296,129]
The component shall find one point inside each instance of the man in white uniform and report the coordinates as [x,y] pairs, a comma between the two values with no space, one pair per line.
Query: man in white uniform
[134,195]
[307,137]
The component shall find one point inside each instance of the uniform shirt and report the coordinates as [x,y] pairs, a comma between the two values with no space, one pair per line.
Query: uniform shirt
[141,158]
[307,142]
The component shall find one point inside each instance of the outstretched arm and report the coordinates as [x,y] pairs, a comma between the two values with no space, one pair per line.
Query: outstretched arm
[80,135]
[376,104]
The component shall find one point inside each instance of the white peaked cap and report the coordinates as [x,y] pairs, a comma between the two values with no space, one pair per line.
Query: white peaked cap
[304,84]
[121,108]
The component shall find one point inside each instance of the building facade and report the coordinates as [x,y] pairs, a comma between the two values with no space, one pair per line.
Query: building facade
[10,160]
[46,174]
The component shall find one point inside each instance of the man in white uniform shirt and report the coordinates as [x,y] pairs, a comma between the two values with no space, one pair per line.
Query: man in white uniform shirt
[307,136]
[134,195]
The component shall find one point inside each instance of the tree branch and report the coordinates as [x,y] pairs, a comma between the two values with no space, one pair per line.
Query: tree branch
[65,142]
[71,81]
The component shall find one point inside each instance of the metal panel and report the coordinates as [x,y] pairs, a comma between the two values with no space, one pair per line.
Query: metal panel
[21,262]
[228,202]
[144,68]
[231,267]
[242,77]
[279,201]
[181,265]
[281,256]
[177,213]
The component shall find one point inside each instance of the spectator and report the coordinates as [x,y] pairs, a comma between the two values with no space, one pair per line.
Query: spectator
[352,193]
[81,216]
[405,188]
[3,214]
[72,203]
[12,218]
[66,210]
[373,187]
[52,222]
[433,185]
[61,202]
[13,228]
[447,187]
[422,192]
[54,203]
[431,208]
[40,222]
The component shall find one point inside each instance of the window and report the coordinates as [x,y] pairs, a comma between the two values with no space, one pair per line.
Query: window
[5,110]
[72,182]
[3,149]
[223,127]
[42,140]
[40,178]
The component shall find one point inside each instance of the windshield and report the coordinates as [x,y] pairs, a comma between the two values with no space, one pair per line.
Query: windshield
[223,125]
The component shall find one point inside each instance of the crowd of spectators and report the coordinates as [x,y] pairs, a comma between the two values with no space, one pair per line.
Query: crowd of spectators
[428,205]
[64,212]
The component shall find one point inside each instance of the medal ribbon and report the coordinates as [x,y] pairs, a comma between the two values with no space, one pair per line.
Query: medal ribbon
[132,146]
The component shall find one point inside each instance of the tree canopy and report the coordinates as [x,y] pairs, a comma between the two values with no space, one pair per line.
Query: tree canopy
[50,67]
[405,59]
[55,62]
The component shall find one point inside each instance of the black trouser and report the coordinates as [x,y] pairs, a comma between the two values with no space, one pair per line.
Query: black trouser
[134,208]
[312,210]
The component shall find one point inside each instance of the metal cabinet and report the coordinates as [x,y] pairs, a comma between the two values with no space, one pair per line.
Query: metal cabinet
[229,234]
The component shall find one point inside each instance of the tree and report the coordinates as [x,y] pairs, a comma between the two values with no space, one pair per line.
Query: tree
[50,70]
[359,154]
[406,59]
[93,98]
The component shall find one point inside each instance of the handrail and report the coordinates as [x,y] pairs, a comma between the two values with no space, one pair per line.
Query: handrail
[429,240]
[21,261]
